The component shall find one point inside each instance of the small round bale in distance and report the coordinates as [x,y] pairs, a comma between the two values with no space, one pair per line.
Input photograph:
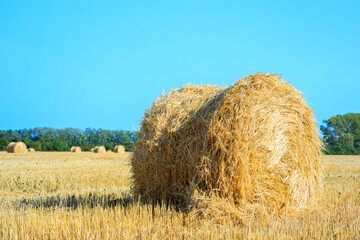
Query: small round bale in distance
[76,149]
[31,150]
[16,147]
[92,150]
[252,149]
[100,149]
[119,149]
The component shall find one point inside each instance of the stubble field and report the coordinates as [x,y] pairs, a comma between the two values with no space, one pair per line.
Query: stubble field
[88,196]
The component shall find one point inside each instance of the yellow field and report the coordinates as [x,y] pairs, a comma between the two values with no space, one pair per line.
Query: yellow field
[87,196]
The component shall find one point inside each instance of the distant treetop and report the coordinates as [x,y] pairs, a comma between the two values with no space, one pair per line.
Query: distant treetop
[342,134]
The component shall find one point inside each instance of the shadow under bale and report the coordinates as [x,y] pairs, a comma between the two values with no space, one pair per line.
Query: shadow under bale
[73,201]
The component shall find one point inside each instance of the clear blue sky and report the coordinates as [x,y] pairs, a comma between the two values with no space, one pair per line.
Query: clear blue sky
[100,64]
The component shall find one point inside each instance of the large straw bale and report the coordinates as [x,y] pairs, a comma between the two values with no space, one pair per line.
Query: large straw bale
[75,149]
[246,151]
[16,147]
[100,149]
[119,149]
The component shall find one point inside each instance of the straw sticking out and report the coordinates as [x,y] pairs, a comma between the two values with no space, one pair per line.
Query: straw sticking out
[253,147]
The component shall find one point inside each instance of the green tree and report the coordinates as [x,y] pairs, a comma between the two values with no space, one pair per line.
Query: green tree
[3,144]
[87,147]
[54,144]
[36,145]
[341,134]
[109,147]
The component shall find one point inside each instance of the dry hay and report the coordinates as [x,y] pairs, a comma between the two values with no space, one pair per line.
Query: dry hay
[76,149]
[16,147]
[109,151]
[119,149]
[92,150]
[31,150]
[243,152]
[99,149]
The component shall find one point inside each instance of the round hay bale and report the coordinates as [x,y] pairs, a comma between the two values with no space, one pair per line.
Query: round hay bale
[119,149]
[92,150]
[100,149]
[251,149]
[76,149]
[16,147]
[31,150]
[109,151]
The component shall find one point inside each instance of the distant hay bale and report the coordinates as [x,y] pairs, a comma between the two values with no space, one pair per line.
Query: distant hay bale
[119,149]
[99,149]
[16,147]
[31,150]
[109,151]
[244,152]
[76,149]
[92,150]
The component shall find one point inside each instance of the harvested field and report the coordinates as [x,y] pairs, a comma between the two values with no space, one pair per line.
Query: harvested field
[87,196]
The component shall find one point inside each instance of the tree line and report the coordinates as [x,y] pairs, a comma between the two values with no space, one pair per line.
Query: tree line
[341,135]
[50,139]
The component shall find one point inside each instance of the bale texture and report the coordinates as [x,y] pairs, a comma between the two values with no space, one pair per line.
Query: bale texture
[246,151]
[16,147]
[76,149]
[119,149]
[99,149]
[31,150]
